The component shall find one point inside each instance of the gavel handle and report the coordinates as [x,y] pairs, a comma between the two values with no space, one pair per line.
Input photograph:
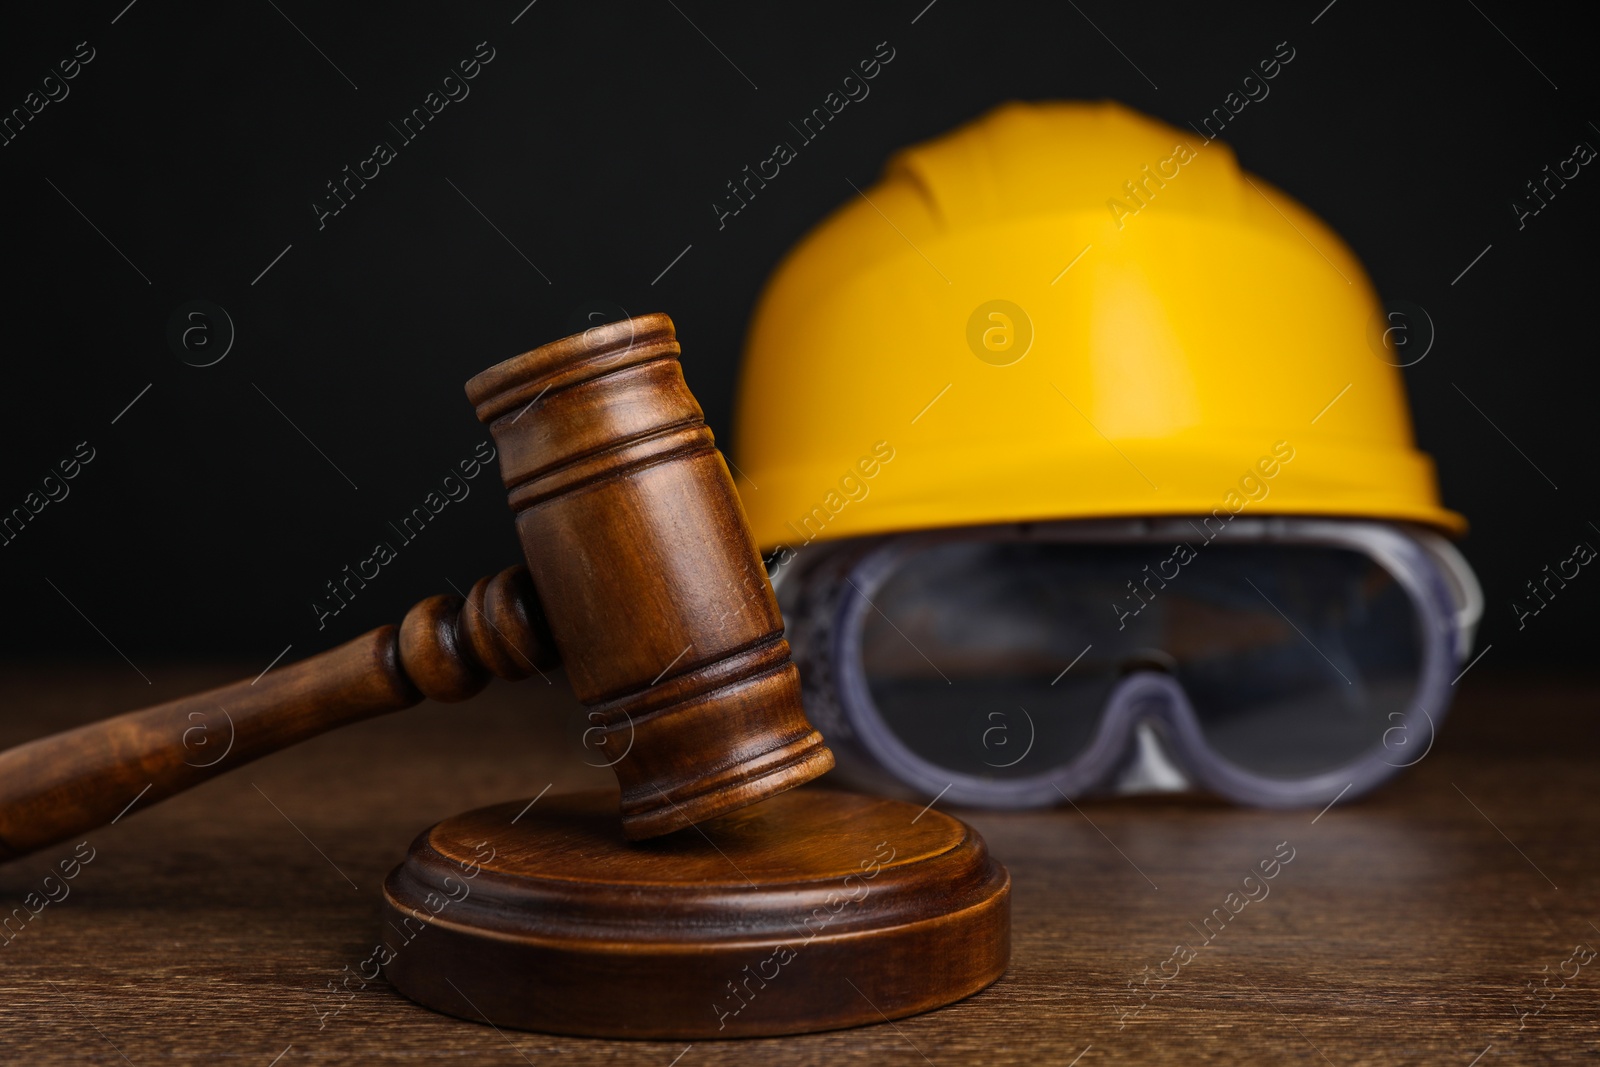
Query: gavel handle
[445,649]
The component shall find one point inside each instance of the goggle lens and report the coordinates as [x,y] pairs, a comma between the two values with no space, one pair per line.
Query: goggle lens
[995,659]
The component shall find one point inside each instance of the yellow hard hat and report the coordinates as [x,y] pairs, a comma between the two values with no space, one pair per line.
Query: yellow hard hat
[1070,310]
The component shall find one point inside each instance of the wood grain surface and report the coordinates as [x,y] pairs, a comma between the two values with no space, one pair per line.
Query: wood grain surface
[230,924]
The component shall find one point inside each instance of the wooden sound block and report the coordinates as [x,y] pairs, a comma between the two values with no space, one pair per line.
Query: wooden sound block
[813,910]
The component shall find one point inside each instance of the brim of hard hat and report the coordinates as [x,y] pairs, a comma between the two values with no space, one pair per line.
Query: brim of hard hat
[937,490]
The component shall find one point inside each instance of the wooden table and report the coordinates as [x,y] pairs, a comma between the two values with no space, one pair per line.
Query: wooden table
[1405,929]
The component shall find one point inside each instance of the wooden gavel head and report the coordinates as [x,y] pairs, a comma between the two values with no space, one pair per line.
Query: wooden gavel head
[647,573]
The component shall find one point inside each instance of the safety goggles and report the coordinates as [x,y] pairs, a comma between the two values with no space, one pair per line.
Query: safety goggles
[1279,662]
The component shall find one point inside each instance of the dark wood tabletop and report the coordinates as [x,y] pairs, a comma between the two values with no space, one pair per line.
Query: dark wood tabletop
[1450,918]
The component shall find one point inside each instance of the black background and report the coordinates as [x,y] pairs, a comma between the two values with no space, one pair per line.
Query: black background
[596,142]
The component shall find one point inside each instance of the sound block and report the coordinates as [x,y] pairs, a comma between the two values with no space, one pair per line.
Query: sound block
[812,910]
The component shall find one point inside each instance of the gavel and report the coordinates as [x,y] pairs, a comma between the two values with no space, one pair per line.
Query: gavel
[813,911]
[641,577]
